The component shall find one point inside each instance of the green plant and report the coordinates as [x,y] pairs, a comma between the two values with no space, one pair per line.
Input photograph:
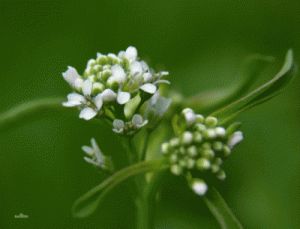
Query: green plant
[125,92]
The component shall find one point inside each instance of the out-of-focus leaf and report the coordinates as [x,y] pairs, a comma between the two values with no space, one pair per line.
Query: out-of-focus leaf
[220,210]
[25,111]
[212,99]
[89,202]
[262,93]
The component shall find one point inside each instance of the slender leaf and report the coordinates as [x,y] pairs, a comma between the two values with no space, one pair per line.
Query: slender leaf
[27,110]
[212,99]
[89,202]
[262,93]
[220,210]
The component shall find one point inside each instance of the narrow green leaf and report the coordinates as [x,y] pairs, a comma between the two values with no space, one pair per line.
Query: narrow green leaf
[89,202]
[251,68]
[220,210]
[262,93]
[28,109]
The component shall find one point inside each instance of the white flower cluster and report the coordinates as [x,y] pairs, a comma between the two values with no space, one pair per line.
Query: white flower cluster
[109,82]
[201,146]
[95,157]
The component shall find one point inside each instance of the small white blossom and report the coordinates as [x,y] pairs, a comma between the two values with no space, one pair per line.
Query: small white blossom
[199,187]
[235,139]
[96,157]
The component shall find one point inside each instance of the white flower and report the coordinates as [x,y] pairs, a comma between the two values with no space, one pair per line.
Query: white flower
[118,126]
[235,139]
[189,115]
[95,156]
[199,187]
[138,121]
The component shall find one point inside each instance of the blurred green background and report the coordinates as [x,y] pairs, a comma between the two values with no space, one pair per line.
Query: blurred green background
[202,44]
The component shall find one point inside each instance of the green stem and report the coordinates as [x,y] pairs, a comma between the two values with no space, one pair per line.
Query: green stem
[145,145]
[220,210]
[26,110]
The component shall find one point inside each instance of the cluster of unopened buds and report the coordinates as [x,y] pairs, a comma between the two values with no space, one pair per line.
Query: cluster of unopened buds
[110,85]
[200,148]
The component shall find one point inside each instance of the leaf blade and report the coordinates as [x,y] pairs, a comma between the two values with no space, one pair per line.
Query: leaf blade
[221,211]
[88,203]
[261,94]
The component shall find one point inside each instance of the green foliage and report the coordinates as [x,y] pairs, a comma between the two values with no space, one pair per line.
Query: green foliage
[88,203]
[262,93]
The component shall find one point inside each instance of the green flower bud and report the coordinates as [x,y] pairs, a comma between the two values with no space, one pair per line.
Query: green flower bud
[203,164]
[176,170]
[211,121]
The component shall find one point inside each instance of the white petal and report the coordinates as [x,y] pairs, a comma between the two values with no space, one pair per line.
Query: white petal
[91,161]
[136,68]
[123,97]
[118,73]
[131,53]
[144,66]
[147,76]
[199,187]
[88,150]
[78,83]
[87,113]
[118,124]
[74,99]
[220,131]
[137,120]
[149,88]
[235,139]
[87,87]
[162,81]
[108,95]
[98,101]
[97,150]
[71,75]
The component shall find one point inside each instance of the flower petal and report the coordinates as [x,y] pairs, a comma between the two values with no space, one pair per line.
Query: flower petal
[87,113]
[87,87]
[137,120]
[235,139]
[118,73]
[131,53]
[136,68]
[149,88]
[88,150]
[123,97]
[108,95]
[98,101]
[74,99]
[71,75]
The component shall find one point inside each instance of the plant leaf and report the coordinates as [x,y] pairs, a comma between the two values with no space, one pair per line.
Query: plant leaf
[89,202]
[262,93]
[220,210]
[29,110]
[251,68]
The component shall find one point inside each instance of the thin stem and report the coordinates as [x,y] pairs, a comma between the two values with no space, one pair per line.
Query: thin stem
[26,110]
[220,210]
[145,145]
